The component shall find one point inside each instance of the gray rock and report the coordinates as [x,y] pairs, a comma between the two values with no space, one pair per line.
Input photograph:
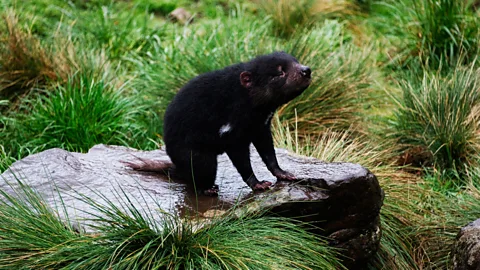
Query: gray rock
[180,15]
[342,199]
[466,250]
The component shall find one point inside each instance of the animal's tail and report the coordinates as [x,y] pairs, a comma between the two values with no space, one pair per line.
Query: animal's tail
[148,165]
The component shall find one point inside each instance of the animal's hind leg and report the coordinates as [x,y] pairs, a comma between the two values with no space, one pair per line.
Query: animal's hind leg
[199,167]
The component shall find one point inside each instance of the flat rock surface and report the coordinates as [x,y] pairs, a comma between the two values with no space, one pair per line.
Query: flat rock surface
[100,171]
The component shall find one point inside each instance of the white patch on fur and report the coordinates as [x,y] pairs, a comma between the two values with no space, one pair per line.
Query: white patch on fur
[224,129]
[268,118]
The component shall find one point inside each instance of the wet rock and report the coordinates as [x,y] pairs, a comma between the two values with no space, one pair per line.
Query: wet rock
[466,250]
[180,15]
[342,199]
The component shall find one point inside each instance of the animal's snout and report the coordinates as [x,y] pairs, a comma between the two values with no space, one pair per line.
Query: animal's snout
[305,71]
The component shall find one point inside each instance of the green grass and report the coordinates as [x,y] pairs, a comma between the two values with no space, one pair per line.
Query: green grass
[430,32]
[32,236]
[439,111]
[447,29]
[118,32]
[77,116]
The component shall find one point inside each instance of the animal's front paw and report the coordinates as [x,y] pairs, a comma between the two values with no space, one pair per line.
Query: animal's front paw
[284,175]
[212,192]
[261,186]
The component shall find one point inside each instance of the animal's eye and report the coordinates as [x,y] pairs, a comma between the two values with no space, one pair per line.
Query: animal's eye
[280,73]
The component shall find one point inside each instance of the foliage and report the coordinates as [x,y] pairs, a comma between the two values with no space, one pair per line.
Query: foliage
[289,15]
[32,235]
[24,62]
[447,29]
[400,210]
[429,31]
[440,112]
[77,116]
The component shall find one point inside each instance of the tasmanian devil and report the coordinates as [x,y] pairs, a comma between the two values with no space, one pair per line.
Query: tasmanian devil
[225,111]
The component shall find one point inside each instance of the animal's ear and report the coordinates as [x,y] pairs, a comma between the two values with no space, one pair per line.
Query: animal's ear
[246,79]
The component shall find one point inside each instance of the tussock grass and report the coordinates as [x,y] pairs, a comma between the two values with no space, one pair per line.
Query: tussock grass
[81,114]
[30,231]
[33,236]
[440,112]
[288,16]
[336,8]
[428,31]
[201,48]
[438,231]
[447,29]
[334,146]
[419,225]
[25,63]
[119,33]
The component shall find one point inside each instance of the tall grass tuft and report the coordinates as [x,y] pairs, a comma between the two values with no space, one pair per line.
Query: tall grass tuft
[119,32]
[79,115]
[287,15]
[31,230]
[446,215]
[290,16]
[33,236]
[25,62]
[441,112]
[447,29]
[432,32]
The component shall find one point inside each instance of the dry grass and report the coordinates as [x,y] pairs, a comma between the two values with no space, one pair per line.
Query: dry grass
[26,63]
[290,15]
[287,15]
[402,211]
[334,7]
[342,88]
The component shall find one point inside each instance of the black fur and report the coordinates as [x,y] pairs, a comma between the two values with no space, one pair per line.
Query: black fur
[227,110]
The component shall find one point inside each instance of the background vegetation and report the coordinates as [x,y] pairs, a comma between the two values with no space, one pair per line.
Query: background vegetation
[395,88]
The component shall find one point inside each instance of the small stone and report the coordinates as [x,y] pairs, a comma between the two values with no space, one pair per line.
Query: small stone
[180,15]
[214,213]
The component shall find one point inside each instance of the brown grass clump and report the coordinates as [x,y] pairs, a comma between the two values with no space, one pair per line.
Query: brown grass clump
[289,15]
[338,8]
[25,62]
